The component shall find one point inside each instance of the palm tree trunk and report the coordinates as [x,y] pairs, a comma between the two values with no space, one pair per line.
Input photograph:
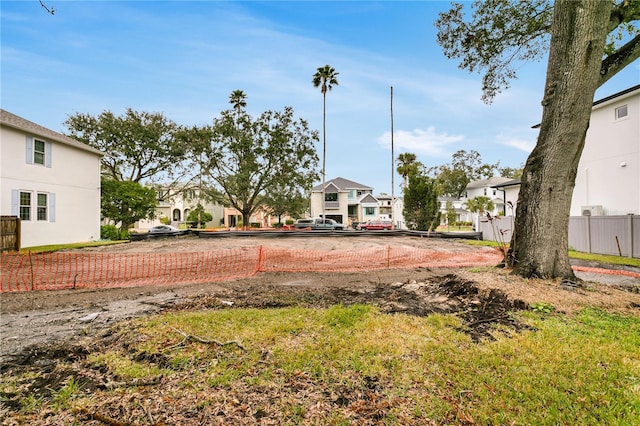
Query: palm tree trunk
[324,149]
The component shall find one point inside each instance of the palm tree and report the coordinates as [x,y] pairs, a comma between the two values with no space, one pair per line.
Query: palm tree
[238,99]
[325,78]
[407,164]
[479,205]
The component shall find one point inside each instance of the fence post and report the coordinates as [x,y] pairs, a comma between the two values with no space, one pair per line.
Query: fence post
[260,260]
[630,232]
[588,233]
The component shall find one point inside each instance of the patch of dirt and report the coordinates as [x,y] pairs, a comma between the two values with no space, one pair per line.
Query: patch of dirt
[50,332]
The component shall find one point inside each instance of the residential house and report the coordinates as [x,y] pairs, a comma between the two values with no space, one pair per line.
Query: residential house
[50,181]
[608,178]
[176,208]
[509,191]
[462,214]
[347,201]
[487,188]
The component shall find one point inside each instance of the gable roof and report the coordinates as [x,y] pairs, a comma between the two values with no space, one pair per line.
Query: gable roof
[343,185]
[495,180]
[11,120]
[368,198]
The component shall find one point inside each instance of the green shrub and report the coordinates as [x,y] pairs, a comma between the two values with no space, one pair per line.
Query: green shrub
[109,232]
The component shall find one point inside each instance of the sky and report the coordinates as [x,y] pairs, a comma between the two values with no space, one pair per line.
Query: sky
[184,58]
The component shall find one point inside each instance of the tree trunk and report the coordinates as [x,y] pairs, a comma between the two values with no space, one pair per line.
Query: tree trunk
[539,246]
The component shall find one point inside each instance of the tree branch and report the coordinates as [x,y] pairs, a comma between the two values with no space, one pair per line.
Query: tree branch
[51,10]
[622,57]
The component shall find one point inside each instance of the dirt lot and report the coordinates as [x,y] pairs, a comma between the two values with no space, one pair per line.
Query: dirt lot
[32,319]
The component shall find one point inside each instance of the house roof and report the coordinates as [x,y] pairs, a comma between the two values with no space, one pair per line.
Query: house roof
[606,99]
[368,198]
[512,182]
[342,184]
[11,120]
[490,182]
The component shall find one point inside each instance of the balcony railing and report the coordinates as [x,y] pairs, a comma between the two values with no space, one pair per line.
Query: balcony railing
[332,204]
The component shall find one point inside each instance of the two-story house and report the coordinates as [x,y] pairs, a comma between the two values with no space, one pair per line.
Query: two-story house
[608,178]
[50,181]
[346,201]
[487,188]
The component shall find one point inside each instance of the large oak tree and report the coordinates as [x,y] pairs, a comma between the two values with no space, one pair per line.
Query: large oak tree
[581,58]
[248,158]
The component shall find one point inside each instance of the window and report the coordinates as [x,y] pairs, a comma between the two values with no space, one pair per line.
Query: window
[331,196]
[42,211]
[25,206]
[621,112]
[369,211]
[38,152]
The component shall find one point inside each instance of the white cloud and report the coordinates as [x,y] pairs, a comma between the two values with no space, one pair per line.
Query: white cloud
[524,145]
[426,142]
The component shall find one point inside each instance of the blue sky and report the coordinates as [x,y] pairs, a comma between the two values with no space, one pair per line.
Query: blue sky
[185,58]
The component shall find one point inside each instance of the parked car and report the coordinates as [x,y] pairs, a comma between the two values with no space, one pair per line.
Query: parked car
[303,223]
[319,224]
[163,228]
[376,225]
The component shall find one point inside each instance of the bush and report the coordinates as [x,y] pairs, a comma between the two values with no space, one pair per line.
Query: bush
[109,232]
[289,222]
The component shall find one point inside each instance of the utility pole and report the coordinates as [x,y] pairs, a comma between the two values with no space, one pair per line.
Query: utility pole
[393,198]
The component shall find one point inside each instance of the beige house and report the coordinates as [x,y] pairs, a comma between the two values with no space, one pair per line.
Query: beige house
[347,201]
[50,181]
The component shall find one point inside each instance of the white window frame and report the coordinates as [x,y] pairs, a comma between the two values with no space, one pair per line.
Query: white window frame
[620,110]
[39,155]
[42,211]
[26,208]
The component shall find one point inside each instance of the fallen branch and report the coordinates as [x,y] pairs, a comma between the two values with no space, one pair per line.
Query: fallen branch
[99,417]
[191,337]
[482,321]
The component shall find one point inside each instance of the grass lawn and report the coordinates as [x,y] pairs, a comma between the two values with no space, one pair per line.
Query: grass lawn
[343,366]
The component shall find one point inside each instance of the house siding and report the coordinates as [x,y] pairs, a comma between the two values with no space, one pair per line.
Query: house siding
[609,169]
[72,182]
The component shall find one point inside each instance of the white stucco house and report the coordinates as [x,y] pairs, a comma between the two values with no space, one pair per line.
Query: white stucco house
[608,179]
[50,181]
[487,188]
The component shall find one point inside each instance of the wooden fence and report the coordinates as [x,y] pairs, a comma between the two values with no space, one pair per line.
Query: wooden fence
[10,233]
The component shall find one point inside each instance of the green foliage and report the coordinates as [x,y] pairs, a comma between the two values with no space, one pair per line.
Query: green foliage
[510,172]
[249,157]
[282,200]
[139,145]
[451,213]
[126,202]
[407,166]
[199,216]
[498,35]
[109,232]
[480,205]
[542,307]
[421,207]
[494,38]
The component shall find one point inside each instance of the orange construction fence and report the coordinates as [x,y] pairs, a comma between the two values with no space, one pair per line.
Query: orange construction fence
[66,270]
